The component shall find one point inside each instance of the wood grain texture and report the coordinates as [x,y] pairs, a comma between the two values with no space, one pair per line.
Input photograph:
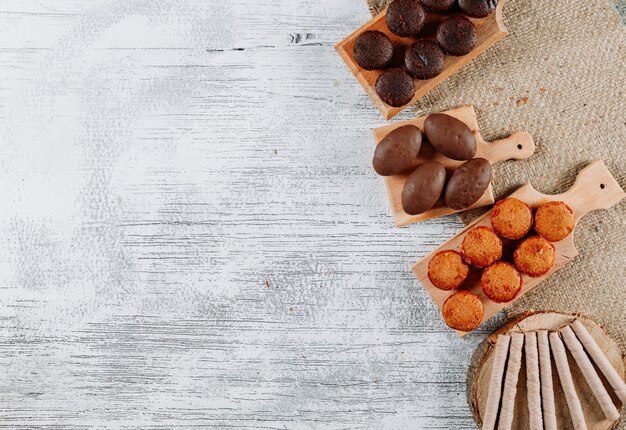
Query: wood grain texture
[517,146]
[552,321]
[191,234]
[489,30]
[595,189]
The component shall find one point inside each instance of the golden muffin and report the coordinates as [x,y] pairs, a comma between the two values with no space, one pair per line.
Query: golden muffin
[554,221]
[501,282]
[463,311]
[511,218]
[447,270]
[534,256]
[481,247]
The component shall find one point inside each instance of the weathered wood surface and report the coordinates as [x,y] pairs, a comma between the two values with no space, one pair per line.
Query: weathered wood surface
[191,234]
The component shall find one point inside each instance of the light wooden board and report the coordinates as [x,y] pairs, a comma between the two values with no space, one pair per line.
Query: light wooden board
[489,31]
[517,146]
[551,321]
[594,189]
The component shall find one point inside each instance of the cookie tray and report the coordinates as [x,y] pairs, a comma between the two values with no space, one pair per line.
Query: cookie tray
[489,30]
[595,188]
[517,146]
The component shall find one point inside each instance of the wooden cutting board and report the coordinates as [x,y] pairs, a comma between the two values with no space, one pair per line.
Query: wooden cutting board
[489,31]
[595,188]
[517,146]
[478,381]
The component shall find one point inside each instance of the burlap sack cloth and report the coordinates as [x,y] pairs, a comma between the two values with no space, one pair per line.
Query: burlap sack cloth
[560,74]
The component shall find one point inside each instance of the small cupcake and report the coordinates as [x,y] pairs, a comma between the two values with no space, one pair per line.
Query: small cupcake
[447,270]
[501,282]
[478,8]
[481,247]
[457,35]
[534,256]
[438,5]
[511,218]
[395,87]
[372,50]
[463,311]
[424,59]
[405,18]
[554,221]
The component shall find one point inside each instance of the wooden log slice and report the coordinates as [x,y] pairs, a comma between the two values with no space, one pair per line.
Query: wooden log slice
[479,372]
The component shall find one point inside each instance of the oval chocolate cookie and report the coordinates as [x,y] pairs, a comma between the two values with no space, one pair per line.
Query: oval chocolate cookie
[423,187]
[450,136]
[398,151]
[468,182]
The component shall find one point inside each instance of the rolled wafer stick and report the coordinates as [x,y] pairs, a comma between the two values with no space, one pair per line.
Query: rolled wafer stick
[547,390]
[565,376]
[600,359]
[588,371]
[495,382]
[510,381]
[533,386]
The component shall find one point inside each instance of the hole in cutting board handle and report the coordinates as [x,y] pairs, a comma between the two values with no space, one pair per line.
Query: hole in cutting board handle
[602,186]
[519,146]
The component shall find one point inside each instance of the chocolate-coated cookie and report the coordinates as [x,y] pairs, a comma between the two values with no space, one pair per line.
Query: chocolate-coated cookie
[405,17]
[457,35]
[478,8]
[424,59]
[438,5]
[395,87]
[372,50]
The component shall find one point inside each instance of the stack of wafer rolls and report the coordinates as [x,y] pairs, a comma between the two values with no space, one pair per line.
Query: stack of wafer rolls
[539,350]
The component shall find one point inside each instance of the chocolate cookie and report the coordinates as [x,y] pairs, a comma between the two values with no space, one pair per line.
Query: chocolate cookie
[405,17]
[424,59]
[372,50]
[478,8]
[457,35]
[395,87]
[438,5]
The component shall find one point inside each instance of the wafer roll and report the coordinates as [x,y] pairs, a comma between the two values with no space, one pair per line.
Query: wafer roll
[592,378]
[510,381]
[565,375]
[533,386]
[495,382]
[547,390]
[600,359]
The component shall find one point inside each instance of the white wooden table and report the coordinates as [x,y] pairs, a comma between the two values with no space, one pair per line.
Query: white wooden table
[191,234]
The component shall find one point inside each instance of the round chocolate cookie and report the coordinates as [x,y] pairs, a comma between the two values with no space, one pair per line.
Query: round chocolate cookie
[424,59]
[478,8]
[395,87]
[405,17]
[456,35]
[372,50]
[438,5]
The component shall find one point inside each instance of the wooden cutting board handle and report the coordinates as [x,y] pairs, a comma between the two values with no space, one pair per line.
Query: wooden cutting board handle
[595,188]
[517,146]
